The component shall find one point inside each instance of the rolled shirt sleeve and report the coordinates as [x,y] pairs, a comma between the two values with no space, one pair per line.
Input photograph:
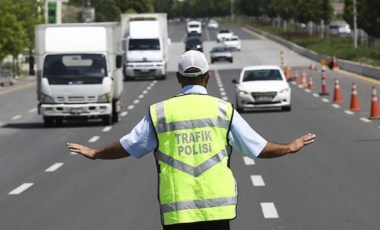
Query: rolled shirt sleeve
[141,140]
[244,138]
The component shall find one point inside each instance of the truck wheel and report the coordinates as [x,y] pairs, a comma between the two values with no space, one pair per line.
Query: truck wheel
[48,121]
[107,120]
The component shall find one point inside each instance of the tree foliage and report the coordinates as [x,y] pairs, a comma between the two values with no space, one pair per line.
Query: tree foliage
[17,20]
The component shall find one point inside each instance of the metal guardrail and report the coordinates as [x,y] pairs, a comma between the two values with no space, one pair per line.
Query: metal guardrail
[361,69]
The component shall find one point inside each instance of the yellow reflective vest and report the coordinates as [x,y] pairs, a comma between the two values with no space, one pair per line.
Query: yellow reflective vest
[195,181]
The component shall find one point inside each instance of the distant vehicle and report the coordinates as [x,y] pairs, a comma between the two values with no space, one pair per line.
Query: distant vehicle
[212,24]
[6,77]
[262,87]
[223,34]
[194,27]
[145,50]
[79,71]
[340,29]
[194,43]
[233,42]
[221,53]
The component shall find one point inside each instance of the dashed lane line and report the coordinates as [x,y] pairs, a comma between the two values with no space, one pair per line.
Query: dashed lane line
[54,167]
[248,161]
[20,189]
[16,117]
[33,110]
[257,180]
[269,210]
[123,114]
[130,107]
[107,128]
[94,139]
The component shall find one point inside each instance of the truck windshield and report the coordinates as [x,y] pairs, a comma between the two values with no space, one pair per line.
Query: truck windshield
[75,66]
[144,44]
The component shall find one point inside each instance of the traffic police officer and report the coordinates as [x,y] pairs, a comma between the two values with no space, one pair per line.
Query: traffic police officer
[192,135]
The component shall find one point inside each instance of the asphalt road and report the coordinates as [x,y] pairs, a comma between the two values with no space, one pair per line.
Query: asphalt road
[332,184]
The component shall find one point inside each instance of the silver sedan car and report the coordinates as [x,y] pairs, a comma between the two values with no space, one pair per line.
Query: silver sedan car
[262,87]
[221,53]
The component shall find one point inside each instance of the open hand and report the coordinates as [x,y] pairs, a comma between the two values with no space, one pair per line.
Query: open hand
[299,143]
[83,150]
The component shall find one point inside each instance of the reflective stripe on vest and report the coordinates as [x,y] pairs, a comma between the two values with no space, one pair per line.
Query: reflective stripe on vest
[194,171]
[196,204]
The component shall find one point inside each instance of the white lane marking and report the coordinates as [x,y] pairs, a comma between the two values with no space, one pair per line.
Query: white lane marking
[269,210]
[107,128]
[145,92]
[123,114]
[335,106]
[349,112]
[72,153]
[131,107]
[325,100]
[248,161]
[225,98]
[315,94]
[16,117]
[307,90]
[149,87]
[94,138]
[33,110]
[257,180]
[223,93]
[54,167]
[364,119]
[20,189]
[1,124]
[136,101]
[141,96]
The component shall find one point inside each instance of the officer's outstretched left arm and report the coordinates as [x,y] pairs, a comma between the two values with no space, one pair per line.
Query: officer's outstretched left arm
[272,150]
[112,151]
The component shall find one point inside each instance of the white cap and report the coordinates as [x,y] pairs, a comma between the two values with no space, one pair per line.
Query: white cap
[192,59]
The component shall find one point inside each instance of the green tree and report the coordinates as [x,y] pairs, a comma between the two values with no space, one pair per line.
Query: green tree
[369,18]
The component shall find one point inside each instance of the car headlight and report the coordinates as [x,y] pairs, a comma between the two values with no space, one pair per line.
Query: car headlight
[105,98]
[242,93]
[285,90]
[46,98]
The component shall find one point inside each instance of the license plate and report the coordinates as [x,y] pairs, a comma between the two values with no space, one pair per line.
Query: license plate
[75,110]
[263,99]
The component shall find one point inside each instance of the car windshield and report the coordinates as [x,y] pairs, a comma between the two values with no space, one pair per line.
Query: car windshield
[219,49]
[262,75]
[144,44]
[224,31]
[193,41]
[76,66]
[194,26]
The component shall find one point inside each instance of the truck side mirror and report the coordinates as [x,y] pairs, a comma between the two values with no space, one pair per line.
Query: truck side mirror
[119,61]
[235,81]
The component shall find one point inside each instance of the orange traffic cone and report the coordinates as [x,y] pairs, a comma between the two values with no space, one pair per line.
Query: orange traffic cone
[334,63]
[303,82]
[354,105]
[323,83]
[295,78]
[337,93]
[311,84]
[312,67]
[287,72]
[375,113]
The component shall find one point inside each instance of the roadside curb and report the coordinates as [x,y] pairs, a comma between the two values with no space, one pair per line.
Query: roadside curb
[361,69]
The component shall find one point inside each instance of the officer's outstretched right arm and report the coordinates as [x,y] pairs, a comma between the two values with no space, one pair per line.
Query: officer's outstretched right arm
[109,152]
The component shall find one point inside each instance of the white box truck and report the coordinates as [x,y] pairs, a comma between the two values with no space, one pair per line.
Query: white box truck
[79,71]
[145,45]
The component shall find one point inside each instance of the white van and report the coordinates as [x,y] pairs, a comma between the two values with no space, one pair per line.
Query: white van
[194,27]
